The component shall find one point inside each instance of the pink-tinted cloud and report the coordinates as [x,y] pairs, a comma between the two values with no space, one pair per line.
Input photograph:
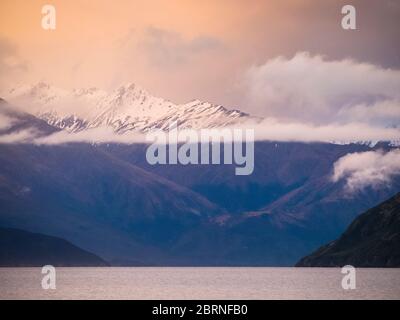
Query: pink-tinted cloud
[314,89]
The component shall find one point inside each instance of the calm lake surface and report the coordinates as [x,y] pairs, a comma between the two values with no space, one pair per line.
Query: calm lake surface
[199,283]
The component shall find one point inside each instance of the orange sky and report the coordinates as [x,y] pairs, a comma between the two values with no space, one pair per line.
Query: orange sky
[183,49]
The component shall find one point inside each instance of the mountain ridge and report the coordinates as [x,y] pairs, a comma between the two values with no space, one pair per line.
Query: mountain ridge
[126,108]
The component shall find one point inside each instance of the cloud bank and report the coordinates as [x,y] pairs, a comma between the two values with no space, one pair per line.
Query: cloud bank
[363,169]
[312,89]
[274,129]
[22,136]
[269,129]
[97,135]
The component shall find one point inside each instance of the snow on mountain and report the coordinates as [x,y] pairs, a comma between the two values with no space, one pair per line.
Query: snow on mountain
[127,108]
[368,143]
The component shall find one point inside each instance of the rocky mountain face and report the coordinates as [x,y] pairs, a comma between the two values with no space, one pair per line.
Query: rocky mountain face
[371,240]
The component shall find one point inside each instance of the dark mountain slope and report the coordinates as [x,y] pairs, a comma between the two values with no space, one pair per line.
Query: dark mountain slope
[20,248]
[102,204]
[288,207]
[280,167]
[372,240]
[323,207]
[128,216]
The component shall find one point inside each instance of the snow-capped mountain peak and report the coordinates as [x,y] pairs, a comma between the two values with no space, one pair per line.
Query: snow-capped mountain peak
[129,107]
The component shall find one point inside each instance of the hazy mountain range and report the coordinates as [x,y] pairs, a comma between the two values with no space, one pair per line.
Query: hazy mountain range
[108,200]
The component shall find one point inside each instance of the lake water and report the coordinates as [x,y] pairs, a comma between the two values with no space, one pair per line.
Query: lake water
[199,283]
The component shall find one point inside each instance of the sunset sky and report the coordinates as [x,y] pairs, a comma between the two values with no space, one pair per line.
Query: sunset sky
[208,50]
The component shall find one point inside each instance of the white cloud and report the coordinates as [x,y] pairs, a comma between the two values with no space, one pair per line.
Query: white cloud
[273,129]
[96,135]
[22,136]
[313,89]
[5,122]
[383,113]
[372,168]
[268,129]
